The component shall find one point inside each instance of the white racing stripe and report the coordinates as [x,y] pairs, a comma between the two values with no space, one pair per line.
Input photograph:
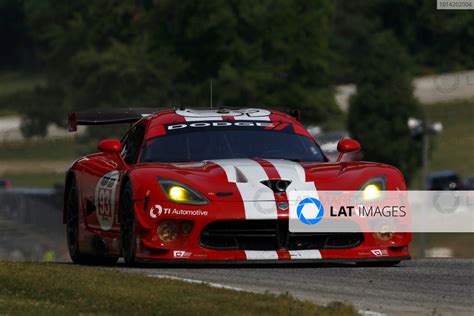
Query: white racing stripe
[293,171]
[213,115]
[202,118]
[247,174]
[251,118]
[304,254]
[261,255]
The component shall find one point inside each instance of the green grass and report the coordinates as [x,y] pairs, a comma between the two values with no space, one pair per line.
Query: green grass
[462,244]
[45,149]
[49,289]
[14,86]
[454,147]
[17,82]
[38,180]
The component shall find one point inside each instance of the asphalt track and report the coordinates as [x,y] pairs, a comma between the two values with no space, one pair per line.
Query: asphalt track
[427,287]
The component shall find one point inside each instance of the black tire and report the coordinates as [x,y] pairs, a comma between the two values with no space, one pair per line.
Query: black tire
[72,233]
[379,264]
[128,225]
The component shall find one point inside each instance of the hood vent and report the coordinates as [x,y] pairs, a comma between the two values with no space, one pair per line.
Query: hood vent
[277,186]
[239,176]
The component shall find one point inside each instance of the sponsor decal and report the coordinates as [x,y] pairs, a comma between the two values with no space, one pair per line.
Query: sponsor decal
[261,255]
[157,210]
[181,254]
[105,199]
[379,252]
[304,254]
[218,124]
[283,206]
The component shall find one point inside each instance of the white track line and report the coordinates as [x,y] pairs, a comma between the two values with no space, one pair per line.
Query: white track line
[227,287]
[211,284]
[371,313]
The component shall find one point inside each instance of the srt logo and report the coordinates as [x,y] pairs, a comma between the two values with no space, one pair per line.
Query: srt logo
[181,254]
[380,252]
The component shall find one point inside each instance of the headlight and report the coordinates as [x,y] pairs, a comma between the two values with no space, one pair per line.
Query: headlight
[371,190]
[167,231]
[181,193]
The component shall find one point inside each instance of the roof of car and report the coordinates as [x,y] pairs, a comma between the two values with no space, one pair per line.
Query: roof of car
[194,115]
[158,120]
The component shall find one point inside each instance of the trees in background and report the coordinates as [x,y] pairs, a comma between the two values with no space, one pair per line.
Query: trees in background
[17,50]
[379,112]
[287,53]
[437,40]
[164,53]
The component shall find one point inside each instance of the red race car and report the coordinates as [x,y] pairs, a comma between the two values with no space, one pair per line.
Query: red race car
[188,185]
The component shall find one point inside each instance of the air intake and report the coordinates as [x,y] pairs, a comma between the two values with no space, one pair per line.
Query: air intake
[277,186]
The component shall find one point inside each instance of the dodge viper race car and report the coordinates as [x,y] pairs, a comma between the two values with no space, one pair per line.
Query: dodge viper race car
[188,185]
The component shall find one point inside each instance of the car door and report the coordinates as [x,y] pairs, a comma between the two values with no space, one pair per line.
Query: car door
[104,173]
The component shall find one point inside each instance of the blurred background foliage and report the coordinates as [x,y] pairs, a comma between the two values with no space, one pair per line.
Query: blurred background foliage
[164,53]
[75,55]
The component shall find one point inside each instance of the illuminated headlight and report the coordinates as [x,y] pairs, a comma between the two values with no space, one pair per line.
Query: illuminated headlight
[180,193]
[371,190]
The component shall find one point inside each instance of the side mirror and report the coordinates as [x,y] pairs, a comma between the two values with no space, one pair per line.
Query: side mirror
[110,146]
[347,145]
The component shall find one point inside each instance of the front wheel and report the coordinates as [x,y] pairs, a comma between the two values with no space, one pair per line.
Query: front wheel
[128,225]
[73,230]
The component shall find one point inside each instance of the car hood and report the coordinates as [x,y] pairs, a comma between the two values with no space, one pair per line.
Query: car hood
[241,179]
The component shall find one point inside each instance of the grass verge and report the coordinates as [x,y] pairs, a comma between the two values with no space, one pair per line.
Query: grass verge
[18,82]
[33,288]
[37,180]
[461,244]
[44,149]
[15,87]
[453,148]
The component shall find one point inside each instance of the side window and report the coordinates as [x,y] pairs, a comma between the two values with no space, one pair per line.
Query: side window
[131,144]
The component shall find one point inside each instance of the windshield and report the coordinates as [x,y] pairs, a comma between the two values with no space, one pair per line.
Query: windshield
[223,143]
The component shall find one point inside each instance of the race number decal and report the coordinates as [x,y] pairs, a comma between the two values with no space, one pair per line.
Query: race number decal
[105,199]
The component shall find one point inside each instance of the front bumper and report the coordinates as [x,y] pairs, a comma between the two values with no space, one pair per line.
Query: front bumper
[189,247]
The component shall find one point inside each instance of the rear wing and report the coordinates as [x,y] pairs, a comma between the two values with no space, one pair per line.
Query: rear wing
[122,116]
[108,117]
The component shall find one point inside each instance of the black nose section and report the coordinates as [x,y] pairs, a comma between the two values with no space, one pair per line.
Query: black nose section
[277,186]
